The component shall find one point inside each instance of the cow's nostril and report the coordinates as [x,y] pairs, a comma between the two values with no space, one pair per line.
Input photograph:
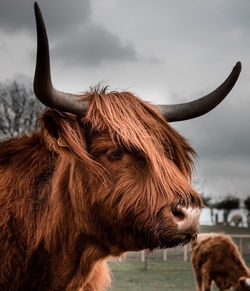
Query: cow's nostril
[178,214]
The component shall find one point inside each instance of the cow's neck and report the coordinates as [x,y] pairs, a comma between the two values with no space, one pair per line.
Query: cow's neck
[74,263]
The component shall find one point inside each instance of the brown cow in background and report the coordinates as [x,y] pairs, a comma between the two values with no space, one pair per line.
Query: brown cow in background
[216,258]
[237,220]
[104,173]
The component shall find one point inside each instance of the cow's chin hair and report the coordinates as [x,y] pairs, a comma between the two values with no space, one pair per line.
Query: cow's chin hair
[176,240]
[165,239]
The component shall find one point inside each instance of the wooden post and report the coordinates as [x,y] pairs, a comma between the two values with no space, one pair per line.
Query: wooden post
[142,256]
[185,253]
[147,261]
[164,255]
[122,258]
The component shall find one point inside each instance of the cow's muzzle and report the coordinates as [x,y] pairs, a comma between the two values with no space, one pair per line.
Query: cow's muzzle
[187,220]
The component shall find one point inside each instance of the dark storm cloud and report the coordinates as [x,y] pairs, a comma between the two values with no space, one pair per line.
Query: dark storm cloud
[93,45]
[222,134]
[226,138]
[73,37]
[59,16]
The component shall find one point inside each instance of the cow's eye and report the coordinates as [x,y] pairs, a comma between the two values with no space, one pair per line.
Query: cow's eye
[115,155]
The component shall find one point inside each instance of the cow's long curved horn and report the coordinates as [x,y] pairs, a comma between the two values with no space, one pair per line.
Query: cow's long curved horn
[196,108]
[43,86]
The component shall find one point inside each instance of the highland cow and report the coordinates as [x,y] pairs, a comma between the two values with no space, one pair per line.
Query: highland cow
[216,258]
[103,173]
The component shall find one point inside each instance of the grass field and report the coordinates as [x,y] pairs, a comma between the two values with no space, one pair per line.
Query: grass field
[169,275]
[161,276]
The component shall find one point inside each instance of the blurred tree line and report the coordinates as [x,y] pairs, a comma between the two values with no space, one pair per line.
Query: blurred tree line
[227,204]
[19,109]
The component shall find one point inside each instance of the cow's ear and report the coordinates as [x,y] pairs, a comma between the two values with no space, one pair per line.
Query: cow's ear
[52,124]
[63,131]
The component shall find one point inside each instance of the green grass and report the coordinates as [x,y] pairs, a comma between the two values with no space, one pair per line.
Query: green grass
[170,275]
[161,276]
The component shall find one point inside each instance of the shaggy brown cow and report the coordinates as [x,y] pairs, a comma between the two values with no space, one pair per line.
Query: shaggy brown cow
[216,258]
[101,175]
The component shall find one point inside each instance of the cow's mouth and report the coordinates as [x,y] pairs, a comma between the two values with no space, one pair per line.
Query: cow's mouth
[160,237]
[168,240]
[179,239]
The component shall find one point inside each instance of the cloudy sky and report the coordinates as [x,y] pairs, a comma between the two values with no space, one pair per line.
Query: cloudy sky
[164,51]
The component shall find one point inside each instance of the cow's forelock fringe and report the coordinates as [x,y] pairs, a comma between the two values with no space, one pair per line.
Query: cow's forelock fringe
[138,125]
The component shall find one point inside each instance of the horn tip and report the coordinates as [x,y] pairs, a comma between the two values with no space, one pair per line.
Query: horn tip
[238,65]
[36,7]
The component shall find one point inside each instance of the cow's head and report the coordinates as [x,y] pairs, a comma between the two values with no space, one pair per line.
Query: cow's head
[129,171]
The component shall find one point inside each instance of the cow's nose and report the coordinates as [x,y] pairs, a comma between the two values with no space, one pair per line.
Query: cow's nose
[187,219]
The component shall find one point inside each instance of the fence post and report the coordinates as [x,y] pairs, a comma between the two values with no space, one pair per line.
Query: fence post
[147,261]
[185,253]
[142,256]
[122,258]
[164,255]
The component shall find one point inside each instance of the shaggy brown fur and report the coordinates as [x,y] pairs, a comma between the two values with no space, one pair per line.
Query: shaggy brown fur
[79,190]
[216,258]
